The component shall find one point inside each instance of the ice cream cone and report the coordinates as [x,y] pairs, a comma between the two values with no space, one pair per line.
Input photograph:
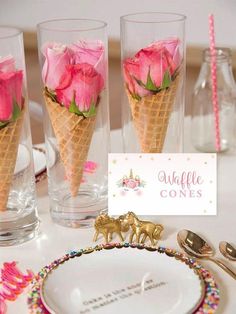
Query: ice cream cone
[151,117]
[74,134]
[9,142]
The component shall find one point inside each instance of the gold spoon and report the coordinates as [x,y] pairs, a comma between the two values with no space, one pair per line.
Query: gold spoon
[227,250]
[197,247]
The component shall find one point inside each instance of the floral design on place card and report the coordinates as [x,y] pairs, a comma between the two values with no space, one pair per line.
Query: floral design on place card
[132,182]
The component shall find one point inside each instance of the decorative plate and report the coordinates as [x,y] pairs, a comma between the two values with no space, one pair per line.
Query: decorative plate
[23,160]
[39,155]
[130,280]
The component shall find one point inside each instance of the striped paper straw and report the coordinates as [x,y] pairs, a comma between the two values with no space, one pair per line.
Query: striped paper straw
[215,102]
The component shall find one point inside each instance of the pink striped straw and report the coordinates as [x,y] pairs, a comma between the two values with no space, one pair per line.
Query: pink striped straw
[215,102]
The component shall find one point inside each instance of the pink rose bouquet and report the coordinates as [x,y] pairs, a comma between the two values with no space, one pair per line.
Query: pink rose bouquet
[151,80]
[74,77]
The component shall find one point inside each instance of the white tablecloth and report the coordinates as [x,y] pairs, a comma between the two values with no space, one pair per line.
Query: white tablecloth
[53,240]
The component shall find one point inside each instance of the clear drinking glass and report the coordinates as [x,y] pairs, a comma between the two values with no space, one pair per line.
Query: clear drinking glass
[73,58]
[153,64]
[18,213]
[203,118]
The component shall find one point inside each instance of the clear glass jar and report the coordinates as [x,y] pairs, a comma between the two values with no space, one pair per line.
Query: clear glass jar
[18,212]
[153,64]
[203,119]
[73,58]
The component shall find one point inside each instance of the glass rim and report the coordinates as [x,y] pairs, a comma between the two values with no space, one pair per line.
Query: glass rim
[177,17]
[43,25]
[15,31]
[222,53]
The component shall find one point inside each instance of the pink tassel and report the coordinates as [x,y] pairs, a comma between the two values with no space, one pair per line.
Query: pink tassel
[3,306]
[13,282]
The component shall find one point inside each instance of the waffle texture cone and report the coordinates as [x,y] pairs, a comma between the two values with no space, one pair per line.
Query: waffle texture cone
[74,135]
[9,142]
[151,117]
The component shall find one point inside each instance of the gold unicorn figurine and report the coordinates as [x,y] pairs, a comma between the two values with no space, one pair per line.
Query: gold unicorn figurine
[107,226]
[142,227]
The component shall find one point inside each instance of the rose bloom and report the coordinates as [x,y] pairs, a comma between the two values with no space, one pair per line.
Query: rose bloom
[57,57]
[82,83]
[11,82]
[151,62]
[132,184]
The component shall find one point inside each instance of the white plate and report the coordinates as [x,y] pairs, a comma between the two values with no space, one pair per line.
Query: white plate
[122,281]
[23,160]
[39,161]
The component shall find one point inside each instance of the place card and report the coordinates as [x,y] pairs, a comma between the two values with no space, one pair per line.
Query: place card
[162,184]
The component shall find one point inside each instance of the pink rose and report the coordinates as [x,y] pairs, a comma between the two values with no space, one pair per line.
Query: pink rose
[57,57]
[154,60]
[7,64]
[91,52]
[82,83]
[10,92]
[152,67]
[132,184]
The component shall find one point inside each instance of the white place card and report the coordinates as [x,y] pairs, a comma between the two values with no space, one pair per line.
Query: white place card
[162,184]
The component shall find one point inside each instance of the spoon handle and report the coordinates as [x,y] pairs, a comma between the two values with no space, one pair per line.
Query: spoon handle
[224,267]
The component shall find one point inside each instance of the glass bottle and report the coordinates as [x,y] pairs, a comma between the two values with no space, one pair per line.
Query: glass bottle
[203,119]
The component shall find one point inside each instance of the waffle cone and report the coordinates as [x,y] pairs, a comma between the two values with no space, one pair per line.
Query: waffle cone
[9,142]
[74,134]
[151,117]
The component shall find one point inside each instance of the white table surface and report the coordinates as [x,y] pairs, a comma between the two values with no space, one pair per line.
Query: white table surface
[54,241]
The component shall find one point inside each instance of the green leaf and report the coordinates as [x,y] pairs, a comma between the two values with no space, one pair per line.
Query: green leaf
[136,96]
[176,72]
[15,114]
[166,80]
[74,109]
[139,82]
[3,124]
[133,95]
[150,85]
[16,111]
[91,112]
[87,114]
[51,94]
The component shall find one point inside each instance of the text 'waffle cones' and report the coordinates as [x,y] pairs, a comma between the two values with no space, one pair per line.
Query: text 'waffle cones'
[74,134]
[151,117]
[9,142]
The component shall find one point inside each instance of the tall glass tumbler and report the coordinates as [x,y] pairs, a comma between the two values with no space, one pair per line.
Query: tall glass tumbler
[73,58]
[18,213]
[153,66]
